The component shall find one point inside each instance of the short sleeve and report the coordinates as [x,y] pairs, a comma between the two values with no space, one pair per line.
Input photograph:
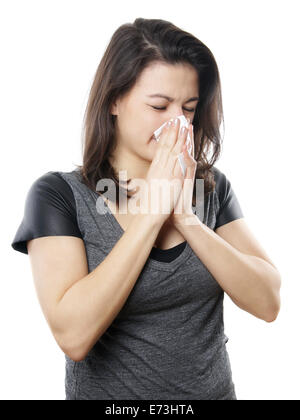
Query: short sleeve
[230,208]
[50,210]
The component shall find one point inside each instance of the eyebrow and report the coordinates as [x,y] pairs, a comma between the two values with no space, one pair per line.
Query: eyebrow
[160,95]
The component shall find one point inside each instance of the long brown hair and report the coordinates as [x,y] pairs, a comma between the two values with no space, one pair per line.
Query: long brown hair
[132,48]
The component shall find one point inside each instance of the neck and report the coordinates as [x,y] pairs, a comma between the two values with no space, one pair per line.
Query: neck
[133,165]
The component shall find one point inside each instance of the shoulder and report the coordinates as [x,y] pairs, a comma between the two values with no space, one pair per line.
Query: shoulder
[223,187]
[50,180]
[222,183]
[52,187]
[49,210]
[229,207]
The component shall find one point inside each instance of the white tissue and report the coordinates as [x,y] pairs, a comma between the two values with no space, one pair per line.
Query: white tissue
[183,123]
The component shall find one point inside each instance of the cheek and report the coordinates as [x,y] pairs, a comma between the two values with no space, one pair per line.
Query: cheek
[155,121]
[132,131]
[147,124]
[137,135]
[139,130]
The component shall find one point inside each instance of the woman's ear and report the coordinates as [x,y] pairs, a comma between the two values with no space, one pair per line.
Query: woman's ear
[114,108]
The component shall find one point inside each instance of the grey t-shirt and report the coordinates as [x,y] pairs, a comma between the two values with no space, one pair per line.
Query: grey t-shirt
[168,341]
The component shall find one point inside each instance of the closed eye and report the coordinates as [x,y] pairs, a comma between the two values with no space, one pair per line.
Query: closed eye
[163,108]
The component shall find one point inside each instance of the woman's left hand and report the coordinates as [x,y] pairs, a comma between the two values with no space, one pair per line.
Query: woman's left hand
[183,206]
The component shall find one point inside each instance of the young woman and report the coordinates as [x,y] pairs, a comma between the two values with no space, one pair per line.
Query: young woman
[135,300]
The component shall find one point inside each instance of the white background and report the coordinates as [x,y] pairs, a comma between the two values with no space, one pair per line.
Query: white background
[49,54]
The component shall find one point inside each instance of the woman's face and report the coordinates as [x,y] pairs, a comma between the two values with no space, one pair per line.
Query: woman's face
[137,118]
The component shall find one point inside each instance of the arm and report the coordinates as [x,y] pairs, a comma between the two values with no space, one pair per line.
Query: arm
[88,308]
[85,306]
[252,282]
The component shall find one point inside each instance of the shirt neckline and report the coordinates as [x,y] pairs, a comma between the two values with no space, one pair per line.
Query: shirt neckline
[151,263]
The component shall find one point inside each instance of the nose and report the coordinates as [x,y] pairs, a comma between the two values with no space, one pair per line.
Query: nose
[178,114]
[177,111]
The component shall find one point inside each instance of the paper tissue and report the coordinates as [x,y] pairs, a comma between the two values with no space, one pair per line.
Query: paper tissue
[183,122]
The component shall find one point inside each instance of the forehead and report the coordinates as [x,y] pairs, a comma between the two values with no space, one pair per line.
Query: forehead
[170,79]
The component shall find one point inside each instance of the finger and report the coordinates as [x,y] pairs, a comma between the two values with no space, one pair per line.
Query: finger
[160,147]
[172,136]
[164,132]
[190,141]
[191,130]
[173,156]
[181,140]
[168,141]
[177,170]
[190,163]
[189,160]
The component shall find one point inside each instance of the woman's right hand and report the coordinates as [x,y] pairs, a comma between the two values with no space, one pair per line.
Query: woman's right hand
[164,175]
